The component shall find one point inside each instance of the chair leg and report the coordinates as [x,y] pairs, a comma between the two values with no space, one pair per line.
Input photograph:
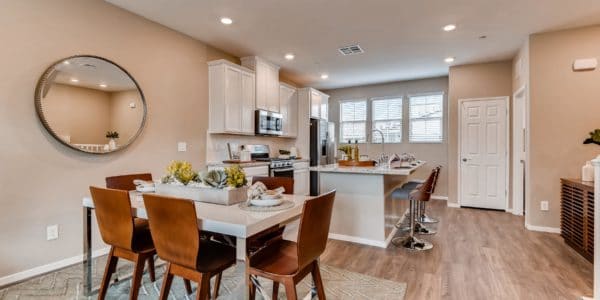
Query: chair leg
[203,291]
[316,275]
[290,289]
[251,288]
[275,290]
[217,285]
[188,286]
[151,268]
[166,286]
[136,279]
[111,265]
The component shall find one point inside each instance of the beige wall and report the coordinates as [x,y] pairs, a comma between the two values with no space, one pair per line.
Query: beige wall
[472,81]
[77,112]
[565,106]
[123,118]
[434,154]
[42,182]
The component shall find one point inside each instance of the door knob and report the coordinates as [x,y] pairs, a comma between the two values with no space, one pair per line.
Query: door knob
[464,160]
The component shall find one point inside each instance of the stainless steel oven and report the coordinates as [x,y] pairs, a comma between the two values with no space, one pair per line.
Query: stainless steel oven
[268,123]
[283,172]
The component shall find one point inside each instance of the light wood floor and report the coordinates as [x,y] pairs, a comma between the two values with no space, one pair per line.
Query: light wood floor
[478,254]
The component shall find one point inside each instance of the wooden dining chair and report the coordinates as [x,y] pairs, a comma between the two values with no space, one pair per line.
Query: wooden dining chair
[263,238]
[125,182]
[178,241]
[287,262]
[128,238]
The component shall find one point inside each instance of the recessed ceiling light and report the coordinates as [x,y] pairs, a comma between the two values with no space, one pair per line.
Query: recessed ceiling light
[449,27]
[226,21]
[449,59]
[324,76]
[103,85]
[290,56]
[74,80]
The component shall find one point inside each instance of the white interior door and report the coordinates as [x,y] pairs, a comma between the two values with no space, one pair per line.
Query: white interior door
[519,143]
[483,153]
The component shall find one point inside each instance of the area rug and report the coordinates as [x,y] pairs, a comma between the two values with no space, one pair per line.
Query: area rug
[67,284]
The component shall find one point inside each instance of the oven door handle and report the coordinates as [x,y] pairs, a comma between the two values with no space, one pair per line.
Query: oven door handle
[282,170]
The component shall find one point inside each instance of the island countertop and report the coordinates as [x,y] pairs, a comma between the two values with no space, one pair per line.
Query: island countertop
[335,168]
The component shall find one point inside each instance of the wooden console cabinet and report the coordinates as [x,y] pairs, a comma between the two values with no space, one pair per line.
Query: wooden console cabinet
[577,215]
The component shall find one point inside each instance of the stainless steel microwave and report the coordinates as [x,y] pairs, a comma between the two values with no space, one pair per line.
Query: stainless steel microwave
[268,123]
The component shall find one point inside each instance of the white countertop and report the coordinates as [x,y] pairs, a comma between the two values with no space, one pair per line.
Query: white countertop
[334,168]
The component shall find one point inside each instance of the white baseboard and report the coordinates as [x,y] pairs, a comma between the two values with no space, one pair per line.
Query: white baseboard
[434,197]
[509,210]
[453,204]
[358,240]
[20,276]
[542,228]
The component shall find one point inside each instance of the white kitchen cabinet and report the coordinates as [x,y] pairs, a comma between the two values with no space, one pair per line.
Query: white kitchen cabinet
[302,181]
[315,104]
[231,98]
[288,104]
[324,107]
[267,82]
[316,100]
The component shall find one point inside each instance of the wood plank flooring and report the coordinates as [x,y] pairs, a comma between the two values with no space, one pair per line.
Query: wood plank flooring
[477,254]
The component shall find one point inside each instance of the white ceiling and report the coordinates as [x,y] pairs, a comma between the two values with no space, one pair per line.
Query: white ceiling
[91,72]
[402,39]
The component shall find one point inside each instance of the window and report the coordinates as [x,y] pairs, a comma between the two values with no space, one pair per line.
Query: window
[353,121]
[387,116]
[425,118]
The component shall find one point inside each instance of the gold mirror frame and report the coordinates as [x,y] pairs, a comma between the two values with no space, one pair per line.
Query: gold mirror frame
[43,81]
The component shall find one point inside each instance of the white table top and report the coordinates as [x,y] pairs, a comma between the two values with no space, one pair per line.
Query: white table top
[230,220]
[334,168]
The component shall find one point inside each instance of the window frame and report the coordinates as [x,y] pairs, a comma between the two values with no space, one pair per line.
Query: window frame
[340,122]
[442,118]
[372,121]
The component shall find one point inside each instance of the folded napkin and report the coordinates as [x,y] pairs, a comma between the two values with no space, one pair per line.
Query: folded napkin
[144,186]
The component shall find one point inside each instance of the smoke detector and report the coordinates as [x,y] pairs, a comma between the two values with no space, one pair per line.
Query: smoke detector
[351,50]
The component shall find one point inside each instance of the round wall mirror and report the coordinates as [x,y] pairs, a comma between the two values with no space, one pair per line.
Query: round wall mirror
[90,104]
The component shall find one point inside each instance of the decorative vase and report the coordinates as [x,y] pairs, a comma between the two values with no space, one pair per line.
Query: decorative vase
[112,144]
[587,172]
[225,196]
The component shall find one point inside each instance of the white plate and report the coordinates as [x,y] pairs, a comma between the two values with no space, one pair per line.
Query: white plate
[270,197]
[270,202]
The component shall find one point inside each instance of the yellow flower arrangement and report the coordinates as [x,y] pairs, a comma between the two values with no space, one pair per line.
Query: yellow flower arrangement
[182,171]
[235,176]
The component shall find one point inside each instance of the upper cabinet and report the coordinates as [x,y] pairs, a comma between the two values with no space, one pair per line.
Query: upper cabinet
[288,104]
[231,98]
[316,100]
[267,82]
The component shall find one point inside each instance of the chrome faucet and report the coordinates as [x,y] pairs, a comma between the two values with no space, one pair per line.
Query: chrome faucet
[383,158]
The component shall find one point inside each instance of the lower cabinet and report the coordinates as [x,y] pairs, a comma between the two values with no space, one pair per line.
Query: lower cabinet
[301,181]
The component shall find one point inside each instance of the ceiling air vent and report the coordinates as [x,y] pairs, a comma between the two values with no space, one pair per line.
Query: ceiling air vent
[351,50]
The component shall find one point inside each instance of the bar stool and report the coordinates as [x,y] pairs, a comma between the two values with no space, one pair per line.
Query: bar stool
[422,216]
[128,238]
[178,241]
[411,242]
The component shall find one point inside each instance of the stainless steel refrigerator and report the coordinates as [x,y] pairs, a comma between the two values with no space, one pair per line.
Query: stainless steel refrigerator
[323,149]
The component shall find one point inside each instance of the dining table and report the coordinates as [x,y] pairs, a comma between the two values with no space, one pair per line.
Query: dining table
[229,220]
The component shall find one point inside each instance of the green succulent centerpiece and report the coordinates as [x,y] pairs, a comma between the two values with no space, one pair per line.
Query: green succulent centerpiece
[181,173]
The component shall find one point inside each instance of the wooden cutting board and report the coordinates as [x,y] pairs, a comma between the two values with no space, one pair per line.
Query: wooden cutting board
[354,163]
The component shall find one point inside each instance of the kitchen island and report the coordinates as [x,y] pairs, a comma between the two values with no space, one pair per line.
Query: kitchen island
[364,211]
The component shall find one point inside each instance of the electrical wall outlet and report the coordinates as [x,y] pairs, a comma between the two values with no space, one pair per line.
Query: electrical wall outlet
[544,205]
[52,232]
[182,146]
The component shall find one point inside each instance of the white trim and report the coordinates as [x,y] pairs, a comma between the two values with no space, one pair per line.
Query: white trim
[509,210]
[443,198]
[507,146]
[542,228]
[53,266]
[358,240]
[518,207]
[453,204]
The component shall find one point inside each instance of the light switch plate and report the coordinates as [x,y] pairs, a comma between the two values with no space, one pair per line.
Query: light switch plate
[182,146]
[52,232]
[544,205]
[585,64]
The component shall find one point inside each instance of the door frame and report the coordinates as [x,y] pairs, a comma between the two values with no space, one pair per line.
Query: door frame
[517,206]
[507,144]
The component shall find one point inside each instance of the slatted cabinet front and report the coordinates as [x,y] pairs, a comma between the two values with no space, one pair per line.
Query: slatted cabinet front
[577,216]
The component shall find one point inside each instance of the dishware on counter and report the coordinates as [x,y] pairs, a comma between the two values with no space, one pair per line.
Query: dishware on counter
[245,155]
[587,172]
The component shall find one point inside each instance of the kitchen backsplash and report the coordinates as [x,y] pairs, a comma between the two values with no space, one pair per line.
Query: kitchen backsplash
[216,144]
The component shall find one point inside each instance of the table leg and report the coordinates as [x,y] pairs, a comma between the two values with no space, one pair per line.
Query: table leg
[87,251]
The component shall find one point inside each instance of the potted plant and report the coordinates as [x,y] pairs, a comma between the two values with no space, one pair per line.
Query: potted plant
[112,137]
[227,187]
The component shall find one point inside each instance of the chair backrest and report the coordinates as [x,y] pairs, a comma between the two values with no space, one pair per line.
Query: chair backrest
[275,182]
[437,176]
[113,213]
[314,228]
[429,185]
[174,227]
[125,182]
